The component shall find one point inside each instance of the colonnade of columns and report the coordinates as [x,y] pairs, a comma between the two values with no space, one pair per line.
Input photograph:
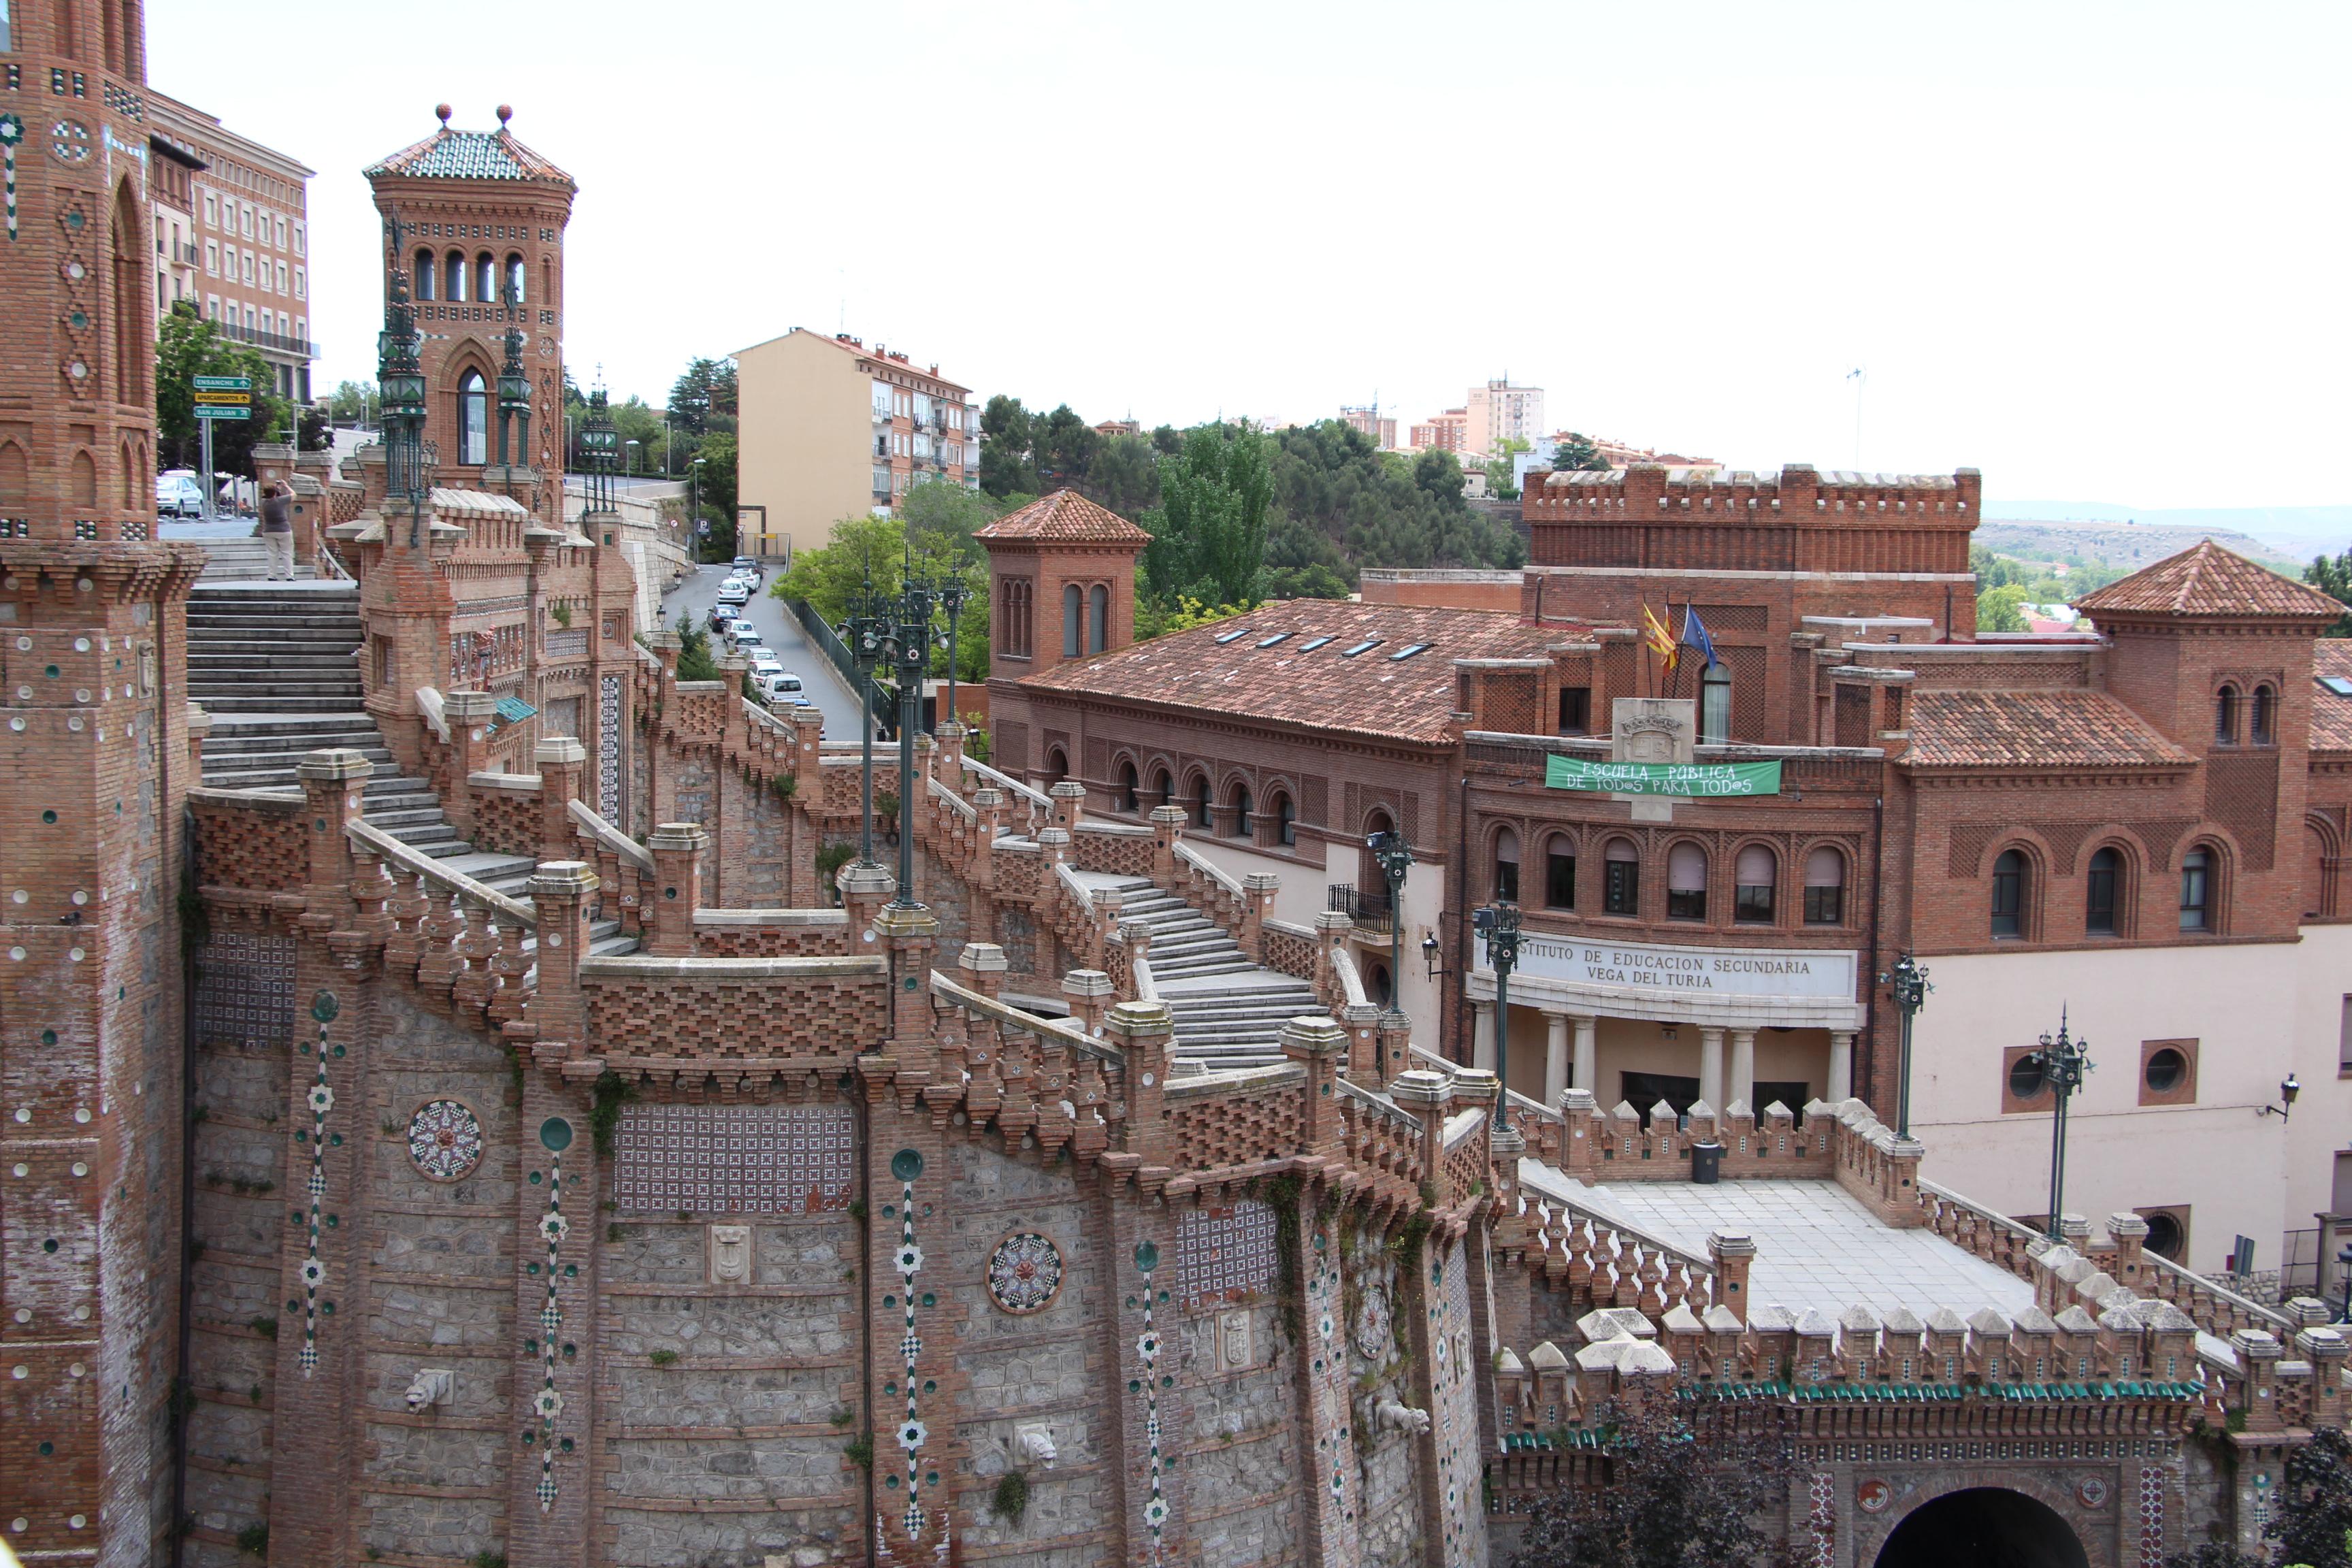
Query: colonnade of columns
[1712,1086]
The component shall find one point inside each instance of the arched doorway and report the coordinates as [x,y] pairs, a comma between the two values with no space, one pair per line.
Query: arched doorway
[1983,1527]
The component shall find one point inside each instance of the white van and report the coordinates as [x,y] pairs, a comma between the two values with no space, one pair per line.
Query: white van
[783,692]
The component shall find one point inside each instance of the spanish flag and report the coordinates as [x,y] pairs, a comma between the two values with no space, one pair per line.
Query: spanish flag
[1662,641]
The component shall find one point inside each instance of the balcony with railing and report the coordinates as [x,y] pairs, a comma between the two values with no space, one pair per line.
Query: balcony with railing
[261,339]
[1369,908]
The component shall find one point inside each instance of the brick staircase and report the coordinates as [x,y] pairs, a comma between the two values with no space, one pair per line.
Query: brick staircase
[1229,1011]
[277,664]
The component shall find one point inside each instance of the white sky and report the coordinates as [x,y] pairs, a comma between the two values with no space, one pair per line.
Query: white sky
[2096,249]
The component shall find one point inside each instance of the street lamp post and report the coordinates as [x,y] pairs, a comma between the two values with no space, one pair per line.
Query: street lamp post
[912,639]
[1908,980]
[694,501]
[1396,858]
[951,596]
[632,458]
[1499,925]
[2064,1064]
[865,651]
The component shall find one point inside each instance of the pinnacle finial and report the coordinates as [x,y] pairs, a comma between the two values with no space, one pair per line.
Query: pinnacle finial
[443,111]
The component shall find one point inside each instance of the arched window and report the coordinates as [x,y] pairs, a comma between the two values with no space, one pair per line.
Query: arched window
[2265,727]
[2099,893]
[15,475]
[515,273]
[1073,607]
[1243,826]
[546,280]
[1127,788]
[2009,879]
[1286,820]
[1754,876]
[1824,887]
[1014,629]
[1507,867]
[486,277]
[2196,889]
[1620,888]
[1164,788]
[473,419]
[1204,815]
[426,278]
[1098,618]
[452,278]
[85,480]
[1559,872]
[2225,717]
[1687,883]
[2315,843]
[1715,706]
[1057,765]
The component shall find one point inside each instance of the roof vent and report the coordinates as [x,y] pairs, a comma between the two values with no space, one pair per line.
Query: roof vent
[1234,635]
[1407,652]
[1364,647]
[1318,642]
[1269,642]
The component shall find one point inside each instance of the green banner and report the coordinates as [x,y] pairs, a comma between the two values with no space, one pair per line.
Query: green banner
[1698,779]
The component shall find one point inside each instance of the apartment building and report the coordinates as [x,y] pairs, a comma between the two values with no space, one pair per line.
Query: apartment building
[831,428]
[1499,412]
[1446,432]
[1380,428]
[246,247]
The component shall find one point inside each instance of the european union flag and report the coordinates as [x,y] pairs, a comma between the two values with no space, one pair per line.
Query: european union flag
[1695,636]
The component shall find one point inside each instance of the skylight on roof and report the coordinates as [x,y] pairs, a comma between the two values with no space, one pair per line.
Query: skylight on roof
[1318,642]
[2337,684]
[1269,642]
[1364,647]
[1407,652]
[1234,635]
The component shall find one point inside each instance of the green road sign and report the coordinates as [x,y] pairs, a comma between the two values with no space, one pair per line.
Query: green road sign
[224,384]
[222,411]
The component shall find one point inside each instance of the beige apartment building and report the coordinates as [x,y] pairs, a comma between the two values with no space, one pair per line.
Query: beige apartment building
[241,244]
[831,428]
[1499,412]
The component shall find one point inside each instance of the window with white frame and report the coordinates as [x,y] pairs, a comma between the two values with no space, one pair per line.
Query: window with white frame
[301,246]
[211,257]
[211,307]
[245,219]
[301,285]
[212,210]
[282,277]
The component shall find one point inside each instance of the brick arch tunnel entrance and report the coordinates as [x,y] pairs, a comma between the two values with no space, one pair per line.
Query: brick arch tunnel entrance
[1984,1526]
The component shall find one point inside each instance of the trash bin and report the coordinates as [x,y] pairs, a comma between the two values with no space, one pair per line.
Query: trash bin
[1707,1164]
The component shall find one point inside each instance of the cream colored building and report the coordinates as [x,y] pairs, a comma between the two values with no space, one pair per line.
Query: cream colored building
[830,428]
[1499,412]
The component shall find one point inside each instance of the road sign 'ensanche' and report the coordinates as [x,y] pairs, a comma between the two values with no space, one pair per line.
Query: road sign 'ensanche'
[224,384]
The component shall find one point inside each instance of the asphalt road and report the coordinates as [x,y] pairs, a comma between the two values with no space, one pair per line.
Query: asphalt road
[820,682]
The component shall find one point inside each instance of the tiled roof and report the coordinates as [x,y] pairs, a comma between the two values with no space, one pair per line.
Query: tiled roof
[1374,693]
[2331,716]
[1068,518]
[2062,729]
[2208,580]
[450,154]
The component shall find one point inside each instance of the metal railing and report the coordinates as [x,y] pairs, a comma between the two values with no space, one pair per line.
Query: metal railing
[825,637]
[260,338]
[1369,910]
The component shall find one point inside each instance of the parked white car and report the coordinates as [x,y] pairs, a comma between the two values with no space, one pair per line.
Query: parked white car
[765,665]
[743,637]
[179,493]
[781,691]
[734,591]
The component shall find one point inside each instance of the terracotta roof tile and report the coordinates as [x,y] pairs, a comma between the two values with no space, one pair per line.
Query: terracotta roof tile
[2208,580]
[450,154]
[1068,518]
[2062,729]
[1292,683]
[2331,716]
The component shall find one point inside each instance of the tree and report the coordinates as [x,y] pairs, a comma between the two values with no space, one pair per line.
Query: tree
[313,427]
[706,387]
[1998,609]
[694,661]
[186,347]
[1210,538]
[718,483]
[1005,465]
[1124,475]
[1577,454]
[1675,1496]
[2334,578]
[831,576]
[1154,618]
[1063,446]
[2314,1523]
[1501,479]
[352,402]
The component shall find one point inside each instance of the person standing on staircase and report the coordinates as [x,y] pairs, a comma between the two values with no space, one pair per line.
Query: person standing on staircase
[277,529]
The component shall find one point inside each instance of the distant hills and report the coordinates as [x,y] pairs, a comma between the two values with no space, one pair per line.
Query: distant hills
[2123,547]
[2131,537]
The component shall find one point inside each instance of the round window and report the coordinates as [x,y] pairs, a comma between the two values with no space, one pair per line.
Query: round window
[2164,1237]
[2026,1077]
[2168,1069]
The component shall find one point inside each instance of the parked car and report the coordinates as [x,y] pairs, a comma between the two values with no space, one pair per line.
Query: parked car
[179,493]
[748,569]
[765,664]
[734,591]
[721,616]
[781,691]
[744,637]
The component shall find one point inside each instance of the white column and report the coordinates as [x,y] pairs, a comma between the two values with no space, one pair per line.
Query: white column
[1482,1037]
[1555,1056]
[1841,1067]
[1710,1069]
[1743,1069]
[1588,1067]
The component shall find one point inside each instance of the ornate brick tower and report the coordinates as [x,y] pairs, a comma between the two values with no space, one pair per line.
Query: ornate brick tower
[476,219]
[97,766]
[1061,582]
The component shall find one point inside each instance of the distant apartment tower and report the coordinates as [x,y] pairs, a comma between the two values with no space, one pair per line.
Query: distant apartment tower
[831,428]
[1380,428]
[247,238]
[1499,412]
[1446,432]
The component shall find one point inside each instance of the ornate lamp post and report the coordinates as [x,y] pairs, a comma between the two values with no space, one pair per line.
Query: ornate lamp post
[400,378]
[951,594]
[514,405]
[1395,857]
[911,641]
[1499,925]
[2063,1063]
[1908,980]
[862,631]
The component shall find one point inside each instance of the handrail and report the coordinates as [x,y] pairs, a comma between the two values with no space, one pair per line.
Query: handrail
[398,854]
[1513,1099]
[1217,874]
[1113,829]
[759,714]
[608,837]
[1076,889]
[1372,1101]
[1138,968]
[428,703]
[963,808]
[322,551]
[1352,983]
[1006,781]
[821,632]
[1533,1192]
[1061,1030]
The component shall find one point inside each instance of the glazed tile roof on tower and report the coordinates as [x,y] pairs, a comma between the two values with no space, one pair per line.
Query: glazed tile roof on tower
[450,154]
[2208,580]
[1065,516]
[2059,729]
[1299,680]
[2331,714]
